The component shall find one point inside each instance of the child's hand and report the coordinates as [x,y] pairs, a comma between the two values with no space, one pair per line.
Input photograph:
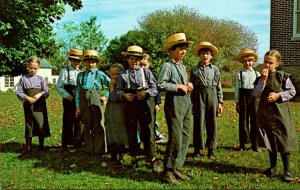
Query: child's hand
[220,110]
[31,100]
[273,97]
[103,100]
[183,87]
[37,96]
[142,95]
[113,82]
[190,86]
[264,75]
[70,97]
[77,113]
[157,108]
[129,97]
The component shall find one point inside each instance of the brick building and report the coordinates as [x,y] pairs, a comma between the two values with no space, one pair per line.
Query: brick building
[285,35]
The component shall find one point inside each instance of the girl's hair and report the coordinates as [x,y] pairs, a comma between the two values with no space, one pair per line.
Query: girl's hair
[276,54]
[147,57]
[117,65]
[34,59]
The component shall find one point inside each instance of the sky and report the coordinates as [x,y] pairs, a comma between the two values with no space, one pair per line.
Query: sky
[119,16]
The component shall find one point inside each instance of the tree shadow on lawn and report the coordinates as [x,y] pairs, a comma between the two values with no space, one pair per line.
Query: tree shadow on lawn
[219,167]
[70,162]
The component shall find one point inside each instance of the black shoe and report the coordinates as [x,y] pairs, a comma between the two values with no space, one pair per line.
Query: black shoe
[168,177]
[155,166]
[287,177]
[271,172]
[211,155]
[256,149]
[241,148]
[134,164]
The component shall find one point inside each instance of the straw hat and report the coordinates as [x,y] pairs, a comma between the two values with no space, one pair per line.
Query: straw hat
[175,39]
[75,53]
[246,52]
[133,50]
[205,44]
[91,54]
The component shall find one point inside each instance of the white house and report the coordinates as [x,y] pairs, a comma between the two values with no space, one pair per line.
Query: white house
[10,82]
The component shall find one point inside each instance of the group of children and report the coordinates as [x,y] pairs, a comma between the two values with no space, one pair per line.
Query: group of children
[133,98]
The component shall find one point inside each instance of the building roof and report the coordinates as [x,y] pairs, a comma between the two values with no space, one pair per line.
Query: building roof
[45,64]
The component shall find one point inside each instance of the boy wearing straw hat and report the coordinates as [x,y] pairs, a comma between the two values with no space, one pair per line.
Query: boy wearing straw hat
[207,99]
[135,86]
[89,84]
[173,80]
[72,130]
[245,101]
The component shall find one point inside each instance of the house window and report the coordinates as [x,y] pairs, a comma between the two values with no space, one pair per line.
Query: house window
[9,81]
[46,78]
[296,19]
[54,80]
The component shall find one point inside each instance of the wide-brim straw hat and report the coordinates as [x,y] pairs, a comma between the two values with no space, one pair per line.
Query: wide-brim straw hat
[133,50]
[91,54]
[175,39]
[75,54]
[207,45]
[246,52]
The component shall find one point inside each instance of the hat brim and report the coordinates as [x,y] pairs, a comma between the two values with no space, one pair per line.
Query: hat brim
[167,46]
[99,59]
[212,48]
[240,56]
[75,57]
[134,54]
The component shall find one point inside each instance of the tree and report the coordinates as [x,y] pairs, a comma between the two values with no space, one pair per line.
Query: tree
[230,37]
[25,30]
[85,35]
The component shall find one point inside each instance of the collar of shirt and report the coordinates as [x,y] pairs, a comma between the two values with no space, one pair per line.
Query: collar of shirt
[251,69]
[202,66]
[135,69]
[174,62]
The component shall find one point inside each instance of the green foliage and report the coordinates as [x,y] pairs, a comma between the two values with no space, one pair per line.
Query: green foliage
[25,30]
[228,36]
[77,170]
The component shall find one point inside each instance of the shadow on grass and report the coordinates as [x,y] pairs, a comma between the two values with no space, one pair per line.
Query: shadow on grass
[66,163]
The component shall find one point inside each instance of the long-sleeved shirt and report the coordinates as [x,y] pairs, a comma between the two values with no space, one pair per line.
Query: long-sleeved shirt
[67,76]
[132,80]
[28,81]
[205,76]
[288,94]
[246,82]
[88,80]
[170,75]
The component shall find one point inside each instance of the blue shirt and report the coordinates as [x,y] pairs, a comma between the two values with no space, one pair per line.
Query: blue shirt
[246,82]
[132,80]
[88,80]
[66,78]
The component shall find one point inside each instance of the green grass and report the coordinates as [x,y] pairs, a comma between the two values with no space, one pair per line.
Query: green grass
[53,170]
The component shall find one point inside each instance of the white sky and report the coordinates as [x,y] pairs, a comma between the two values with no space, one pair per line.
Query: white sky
[118,16]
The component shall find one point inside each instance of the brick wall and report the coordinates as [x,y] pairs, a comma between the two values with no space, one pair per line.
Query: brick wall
[282,32]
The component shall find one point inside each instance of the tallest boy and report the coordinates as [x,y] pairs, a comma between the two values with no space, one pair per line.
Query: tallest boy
[173,80]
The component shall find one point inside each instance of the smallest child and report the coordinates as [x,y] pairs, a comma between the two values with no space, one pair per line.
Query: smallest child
[32,91]
[116,133]
[245,101]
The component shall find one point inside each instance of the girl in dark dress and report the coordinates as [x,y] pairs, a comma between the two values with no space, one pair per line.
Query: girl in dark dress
[32,90]
[274,120]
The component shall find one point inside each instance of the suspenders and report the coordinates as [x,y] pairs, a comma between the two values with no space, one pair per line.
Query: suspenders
[143,79]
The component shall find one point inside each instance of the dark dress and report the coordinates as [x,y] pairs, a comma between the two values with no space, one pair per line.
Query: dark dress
[274,118]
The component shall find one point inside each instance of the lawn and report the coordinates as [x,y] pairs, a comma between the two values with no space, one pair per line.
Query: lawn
[75,170]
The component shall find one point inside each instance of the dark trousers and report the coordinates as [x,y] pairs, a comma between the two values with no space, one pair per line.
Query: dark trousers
[205,104]
[138,113]
[72,131]
[247,118]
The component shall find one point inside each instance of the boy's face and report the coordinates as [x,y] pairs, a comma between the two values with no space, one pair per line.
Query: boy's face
[247,62]
[270,63]
[90,64]
[133,61]
[179,53]
[75,62]
[114,73]
[205,57]
[32,68]
[144,63]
